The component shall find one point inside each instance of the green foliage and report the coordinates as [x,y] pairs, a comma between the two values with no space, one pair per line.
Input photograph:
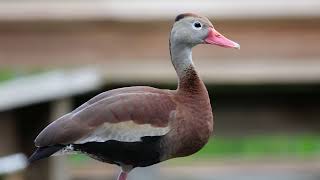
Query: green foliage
[262,146]
[6,74]
[9,74]
[78,159]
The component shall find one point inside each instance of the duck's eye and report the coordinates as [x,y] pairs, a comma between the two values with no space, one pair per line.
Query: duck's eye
[197,25]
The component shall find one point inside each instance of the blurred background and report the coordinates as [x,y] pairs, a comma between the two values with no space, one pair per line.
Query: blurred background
[55,55]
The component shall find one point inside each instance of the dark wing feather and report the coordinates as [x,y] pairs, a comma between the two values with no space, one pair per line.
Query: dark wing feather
[44,152]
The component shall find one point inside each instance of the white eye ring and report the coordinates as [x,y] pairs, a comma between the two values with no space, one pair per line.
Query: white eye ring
[197,25]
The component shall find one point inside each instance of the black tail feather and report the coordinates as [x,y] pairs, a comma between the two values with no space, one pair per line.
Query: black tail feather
[44,152]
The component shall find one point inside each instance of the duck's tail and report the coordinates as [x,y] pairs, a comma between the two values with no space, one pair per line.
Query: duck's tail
[44,152]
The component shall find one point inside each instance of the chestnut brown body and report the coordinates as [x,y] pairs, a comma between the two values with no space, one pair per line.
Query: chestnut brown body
[141,126]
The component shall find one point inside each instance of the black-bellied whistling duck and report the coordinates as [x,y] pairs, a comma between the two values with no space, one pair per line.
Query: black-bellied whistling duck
[141,126]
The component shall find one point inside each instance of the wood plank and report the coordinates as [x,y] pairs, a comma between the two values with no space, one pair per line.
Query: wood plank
[46,44]
[231,71]
[146,10]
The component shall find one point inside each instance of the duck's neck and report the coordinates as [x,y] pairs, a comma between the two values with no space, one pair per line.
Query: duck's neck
[188,78]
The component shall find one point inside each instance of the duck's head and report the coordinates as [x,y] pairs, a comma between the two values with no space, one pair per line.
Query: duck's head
[191,29]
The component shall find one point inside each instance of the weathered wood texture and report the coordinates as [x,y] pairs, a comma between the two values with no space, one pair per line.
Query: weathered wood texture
[61,43]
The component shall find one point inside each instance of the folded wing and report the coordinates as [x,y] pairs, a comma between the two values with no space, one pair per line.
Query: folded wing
[124,117]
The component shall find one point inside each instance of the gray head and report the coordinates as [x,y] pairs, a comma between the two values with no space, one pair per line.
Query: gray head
[191,29]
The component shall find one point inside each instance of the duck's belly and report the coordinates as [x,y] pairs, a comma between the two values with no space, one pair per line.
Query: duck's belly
[136,154]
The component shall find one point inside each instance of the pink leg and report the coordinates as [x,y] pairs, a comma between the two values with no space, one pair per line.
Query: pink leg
[123,175]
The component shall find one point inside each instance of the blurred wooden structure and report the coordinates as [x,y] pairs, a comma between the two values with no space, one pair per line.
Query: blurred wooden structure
[279,40]
[28,104]
[271,82]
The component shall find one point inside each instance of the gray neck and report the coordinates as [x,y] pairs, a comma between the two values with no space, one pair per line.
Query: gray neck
[181,58]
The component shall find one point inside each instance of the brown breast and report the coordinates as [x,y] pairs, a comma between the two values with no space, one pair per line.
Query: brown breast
[193,124]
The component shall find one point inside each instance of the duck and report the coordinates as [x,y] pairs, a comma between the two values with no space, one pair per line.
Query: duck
[140,126]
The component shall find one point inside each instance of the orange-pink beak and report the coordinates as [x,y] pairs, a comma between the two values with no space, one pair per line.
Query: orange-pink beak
[214,37]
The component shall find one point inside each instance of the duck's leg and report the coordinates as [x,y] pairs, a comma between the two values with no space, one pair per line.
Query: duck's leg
[125,169]
[123,175]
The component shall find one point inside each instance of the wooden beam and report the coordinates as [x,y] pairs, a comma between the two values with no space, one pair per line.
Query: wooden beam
[47,87]
[154,10]
[229,71]
[59,164]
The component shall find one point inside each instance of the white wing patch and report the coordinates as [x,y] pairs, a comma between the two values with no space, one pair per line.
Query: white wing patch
[126,131]
[65,151]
